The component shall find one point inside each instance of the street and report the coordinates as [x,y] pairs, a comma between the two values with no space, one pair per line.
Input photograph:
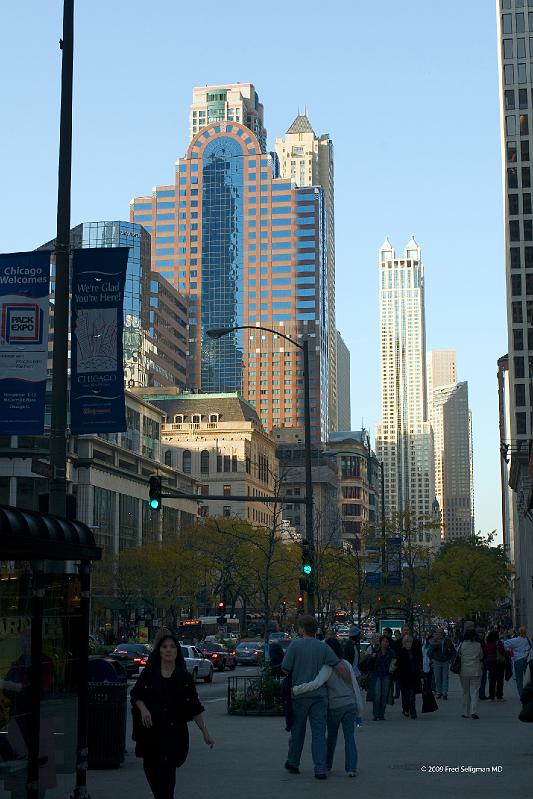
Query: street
[250,752]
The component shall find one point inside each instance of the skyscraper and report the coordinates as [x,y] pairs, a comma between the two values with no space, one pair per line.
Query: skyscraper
[307,160]
[246,248]
[343,385]
[449,416]
[404,441]
[233,102]
[515,56]
[155,338]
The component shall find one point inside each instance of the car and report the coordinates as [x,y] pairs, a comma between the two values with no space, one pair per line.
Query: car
[278,636]
[133,657]
[249,653]
[219,656]
[197,664]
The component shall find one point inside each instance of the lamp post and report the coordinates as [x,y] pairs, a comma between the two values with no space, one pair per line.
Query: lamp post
[217,333]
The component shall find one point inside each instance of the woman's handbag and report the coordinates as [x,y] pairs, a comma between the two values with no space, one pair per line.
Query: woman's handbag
[455,664]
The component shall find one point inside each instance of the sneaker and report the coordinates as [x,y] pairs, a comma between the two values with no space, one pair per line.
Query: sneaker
[475,716]
[292,769]
[352,773]
[501,699]
[465,717]
[320,777]
[375,718]
[405,713]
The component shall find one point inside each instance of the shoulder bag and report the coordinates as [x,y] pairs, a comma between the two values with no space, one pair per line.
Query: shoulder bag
[455,664]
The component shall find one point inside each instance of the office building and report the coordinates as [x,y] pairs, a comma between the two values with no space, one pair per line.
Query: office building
[155,337]
[450,420]
[515,57]
[307,160]
[404,441]
[218,440]
[234,102]
[246,248]
[344,414]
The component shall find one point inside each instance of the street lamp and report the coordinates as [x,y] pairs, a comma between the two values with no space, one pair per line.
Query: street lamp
[217,333]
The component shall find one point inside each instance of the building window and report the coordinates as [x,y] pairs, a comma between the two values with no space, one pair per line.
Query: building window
[524,125]
[524,150]
[509,100]
[226,511]
[512,177]
[518,340]
[519,371]
[507,48]
[515,257]
[213,418]
[511,151]
[204,462]
[513,204]
[521,424]
[233,463]
[514,230]
[227,462]
[526,203]
[526,177]
[187,461]
[204,490]
[178,419]
[508,74]
[226,490]
[196,419]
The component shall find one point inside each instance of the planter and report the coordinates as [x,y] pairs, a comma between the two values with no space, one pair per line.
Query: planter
[254,696]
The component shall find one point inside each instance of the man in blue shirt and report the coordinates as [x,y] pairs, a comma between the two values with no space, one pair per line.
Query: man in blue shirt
[303,660]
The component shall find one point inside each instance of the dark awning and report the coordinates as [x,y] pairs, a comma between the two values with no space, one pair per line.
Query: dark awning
[28,535]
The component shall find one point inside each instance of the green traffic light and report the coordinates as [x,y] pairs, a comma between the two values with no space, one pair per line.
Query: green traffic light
[307,568]
[154,503]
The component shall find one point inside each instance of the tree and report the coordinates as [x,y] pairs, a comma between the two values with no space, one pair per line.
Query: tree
[468,577]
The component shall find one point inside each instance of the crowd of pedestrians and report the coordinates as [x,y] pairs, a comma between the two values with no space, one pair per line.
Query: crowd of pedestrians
[326,680]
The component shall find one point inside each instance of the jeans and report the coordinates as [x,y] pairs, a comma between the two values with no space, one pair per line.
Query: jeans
[381,692]
[441,670]
[346,716]
[470,686]
[496,672]
[408,701]
[314,709]
[519,670]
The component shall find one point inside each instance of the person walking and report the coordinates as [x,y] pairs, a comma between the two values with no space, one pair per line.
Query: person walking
[409,677]
[303,660]
[443,651]
[495,658]
[345,707]
[381,664]
[470,674]
[351,648]
[163,700]
[519,647]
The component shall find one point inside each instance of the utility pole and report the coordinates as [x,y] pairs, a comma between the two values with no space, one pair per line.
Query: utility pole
[58,431]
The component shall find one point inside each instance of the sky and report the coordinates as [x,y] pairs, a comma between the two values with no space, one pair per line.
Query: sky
[408,91]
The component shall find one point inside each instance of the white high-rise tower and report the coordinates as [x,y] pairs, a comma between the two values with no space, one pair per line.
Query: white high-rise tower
[404,441]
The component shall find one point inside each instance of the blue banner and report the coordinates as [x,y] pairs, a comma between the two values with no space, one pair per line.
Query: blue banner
[24,304]
[97,403]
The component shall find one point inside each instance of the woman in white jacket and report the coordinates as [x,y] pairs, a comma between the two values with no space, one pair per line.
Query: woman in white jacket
[345,706]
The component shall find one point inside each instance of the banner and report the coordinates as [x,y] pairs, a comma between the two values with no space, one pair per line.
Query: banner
[24,303]
[97,402]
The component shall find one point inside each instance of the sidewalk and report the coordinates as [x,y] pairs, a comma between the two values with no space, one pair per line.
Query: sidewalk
[250,752]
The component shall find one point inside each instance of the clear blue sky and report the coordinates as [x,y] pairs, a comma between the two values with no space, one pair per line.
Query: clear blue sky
[408,91]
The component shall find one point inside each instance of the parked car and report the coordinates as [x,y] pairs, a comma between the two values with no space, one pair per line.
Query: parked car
[219,656]
[132,656]
[199,666]
[249,653]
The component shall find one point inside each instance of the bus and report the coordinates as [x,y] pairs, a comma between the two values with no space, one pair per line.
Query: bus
[190,630]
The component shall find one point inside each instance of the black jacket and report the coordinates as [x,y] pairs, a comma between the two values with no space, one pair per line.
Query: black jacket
[172,702]
[408,670]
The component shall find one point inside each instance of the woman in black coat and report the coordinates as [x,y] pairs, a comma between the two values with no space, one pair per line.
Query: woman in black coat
[409,676]
[163,700]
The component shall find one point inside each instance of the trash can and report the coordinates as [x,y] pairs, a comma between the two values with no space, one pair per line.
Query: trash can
[108,696]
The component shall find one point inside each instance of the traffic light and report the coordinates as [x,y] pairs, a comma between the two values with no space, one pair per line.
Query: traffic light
[155,492]
[221,608]
[307,558]
[300,604]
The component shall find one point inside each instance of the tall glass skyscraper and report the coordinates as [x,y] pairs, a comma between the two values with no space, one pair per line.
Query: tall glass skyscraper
[246,248]
[404,441]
